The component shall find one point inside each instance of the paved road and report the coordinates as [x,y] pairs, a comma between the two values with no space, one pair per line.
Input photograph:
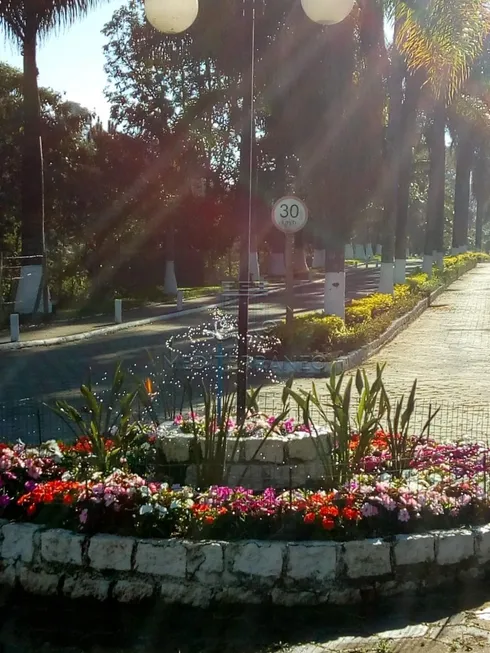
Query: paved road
[57,371]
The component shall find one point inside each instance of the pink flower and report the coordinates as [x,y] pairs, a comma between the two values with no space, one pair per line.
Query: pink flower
[368,510]
[403,515]
[83,516]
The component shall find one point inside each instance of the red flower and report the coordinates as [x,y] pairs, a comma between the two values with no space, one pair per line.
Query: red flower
[351,514]
[309,518]
[328,523]
[209,519]
[31,510]
[329,511]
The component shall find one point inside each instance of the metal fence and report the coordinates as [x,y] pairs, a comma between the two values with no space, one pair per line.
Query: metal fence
[33,421]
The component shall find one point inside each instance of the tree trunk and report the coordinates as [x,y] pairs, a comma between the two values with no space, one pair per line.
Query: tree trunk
[391,176]
[407,141]
[300,265]
[434,233]
[481,194]
[334,296]
[30,290]
[170,286]
[464,164]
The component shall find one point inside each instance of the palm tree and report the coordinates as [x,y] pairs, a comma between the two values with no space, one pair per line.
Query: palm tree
[439,40]
[26,22]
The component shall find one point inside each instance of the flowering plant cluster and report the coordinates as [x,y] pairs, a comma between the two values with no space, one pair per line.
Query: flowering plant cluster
[439,485]
[254,423]
[128,504]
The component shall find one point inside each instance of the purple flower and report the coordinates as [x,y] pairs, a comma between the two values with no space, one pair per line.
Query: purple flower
[4,500]
[29,486]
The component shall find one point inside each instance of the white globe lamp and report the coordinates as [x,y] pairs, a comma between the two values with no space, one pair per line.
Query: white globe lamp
[327,12]
[171,16]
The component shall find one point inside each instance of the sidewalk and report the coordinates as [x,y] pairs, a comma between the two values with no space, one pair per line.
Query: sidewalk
[448,351]
[102,322]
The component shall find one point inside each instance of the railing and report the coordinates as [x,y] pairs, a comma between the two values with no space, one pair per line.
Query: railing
[32,421]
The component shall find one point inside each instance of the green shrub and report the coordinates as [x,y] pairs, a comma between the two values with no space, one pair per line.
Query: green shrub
[368,317]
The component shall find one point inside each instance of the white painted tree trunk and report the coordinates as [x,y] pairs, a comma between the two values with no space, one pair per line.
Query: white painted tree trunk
[29,289]
[438,260]
[170,284]
[349,252]
[254,266]
[400,270]
[386,278]
[277,264]
[319,258]
[359,252]
[300,265]
[369,251]
[379,250]
[334,297]
[427,264]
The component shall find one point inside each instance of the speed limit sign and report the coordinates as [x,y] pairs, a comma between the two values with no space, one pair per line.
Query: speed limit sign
[289,214]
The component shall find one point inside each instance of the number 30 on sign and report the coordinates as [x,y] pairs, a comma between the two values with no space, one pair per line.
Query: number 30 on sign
[289,214]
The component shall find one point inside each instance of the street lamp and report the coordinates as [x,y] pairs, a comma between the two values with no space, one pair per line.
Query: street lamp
[176,16]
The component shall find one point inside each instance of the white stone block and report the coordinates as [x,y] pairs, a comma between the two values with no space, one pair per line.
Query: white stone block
[482,537]
[161,557]
[18,541]
[344,596]
[110,552]
[38,582]
[63,547]
[301,447]
[271,449]
[367,558]
[291,599]
[454,546]
[414,549]
[262,560]
[192,594]
[8,575]
[132,591]
[314,562]
[83,586]
[239,595]
[205,562]
[176,448]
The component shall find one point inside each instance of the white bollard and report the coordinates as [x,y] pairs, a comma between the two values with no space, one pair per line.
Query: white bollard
[180,300]
[14,328]
[118,311]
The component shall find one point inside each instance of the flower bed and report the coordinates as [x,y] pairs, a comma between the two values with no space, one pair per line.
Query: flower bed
[442,486]
[366,319]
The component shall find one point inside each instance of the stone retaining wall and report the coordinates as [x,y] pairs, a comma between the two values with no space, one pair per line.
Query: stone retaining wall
[58,562]
[256,463]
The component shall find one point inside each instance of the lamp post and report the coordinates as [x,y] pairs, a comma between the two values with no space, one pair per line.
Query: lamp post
[176,16]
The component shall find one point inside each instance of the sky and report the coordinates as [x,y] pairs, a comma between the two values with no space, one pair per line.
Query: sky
[72,61]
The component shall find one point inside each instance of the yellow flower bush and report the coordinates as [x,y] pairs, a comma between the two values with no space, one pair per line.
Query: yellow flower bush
[368,317]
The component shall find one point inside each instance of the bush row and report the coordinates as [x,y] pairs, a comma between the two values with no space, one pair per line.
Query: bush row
[365,319]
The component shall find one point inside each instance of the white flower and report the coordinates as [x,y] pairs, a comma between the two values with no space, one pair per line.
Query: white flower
[67,476]
[144,491]
[161,509]
[146,509]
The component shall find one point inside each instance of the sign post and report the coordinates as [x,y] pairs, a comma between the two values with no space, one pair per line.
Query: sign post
[289,215]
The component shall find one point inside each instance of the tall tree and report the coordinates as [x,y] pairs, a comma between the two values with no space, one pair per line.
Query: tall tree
[26,22]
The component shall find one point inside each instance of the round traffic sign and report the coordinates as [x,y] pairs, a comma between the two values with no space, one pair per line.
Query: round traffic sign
[290,214]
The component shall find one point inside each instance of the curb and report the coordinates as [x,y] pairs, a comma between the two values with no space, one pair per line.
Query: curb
[354,359]
[115,328]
